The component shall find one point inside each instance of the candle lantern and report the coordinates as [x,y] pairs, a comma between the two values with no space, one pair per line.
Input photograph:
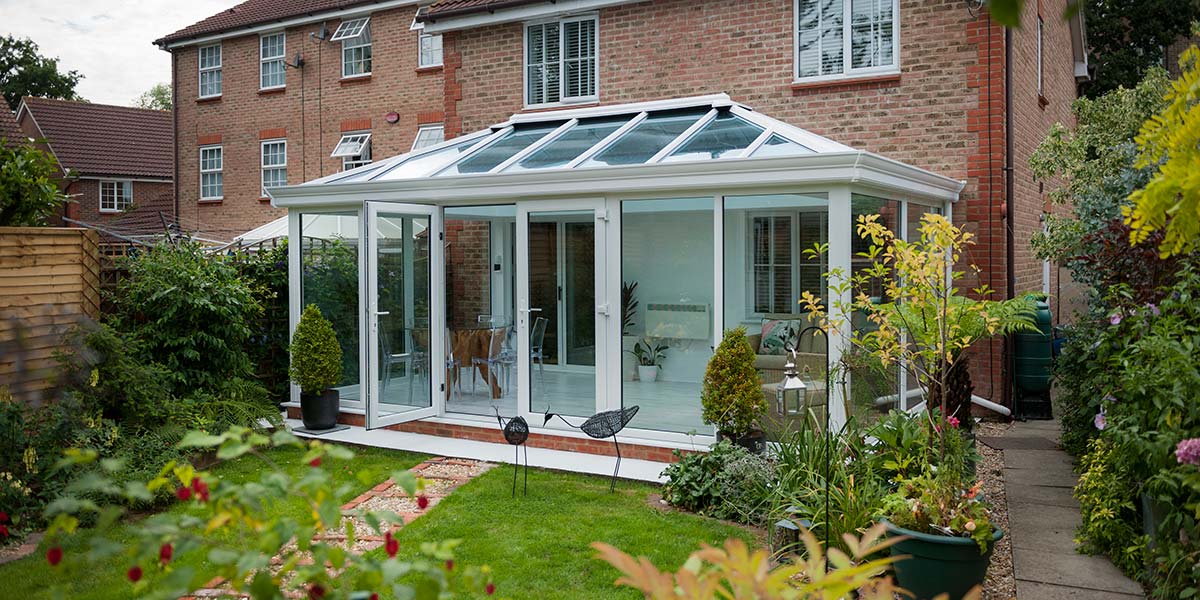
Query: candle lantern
[791,394]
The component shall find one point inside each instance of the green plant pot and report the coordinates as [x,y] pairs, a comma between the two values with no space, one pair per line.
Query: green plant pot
[939,564]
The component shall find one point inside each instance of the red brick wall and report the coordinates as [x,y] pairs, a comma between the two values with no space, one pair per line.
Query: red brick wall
[149,199]
[469,272]
[313,109]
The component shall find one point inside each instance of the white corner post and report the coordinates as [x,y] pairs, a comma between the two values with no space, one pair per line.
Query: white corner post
[841,229]
[294,286]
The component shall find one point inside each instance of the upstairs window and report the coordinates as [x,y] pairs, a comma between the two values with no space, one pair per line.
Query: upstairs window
[354,149]
[274,164]
[429,135]
[355,36]
[560,61]
[210,71]
[840,38]
[430,50]
[212,176]
[272,49]
[115,196]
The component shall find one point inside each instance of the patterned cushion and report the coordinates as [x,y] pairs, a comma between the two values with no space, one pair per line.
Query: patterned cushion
[777,333]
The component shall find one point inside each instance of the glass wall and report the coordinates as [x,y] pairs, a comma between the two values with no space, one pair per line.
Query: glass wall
[913,213]
[667,309]
[404,320]
[873,386]
[766,273]
[329,279]
[480,338]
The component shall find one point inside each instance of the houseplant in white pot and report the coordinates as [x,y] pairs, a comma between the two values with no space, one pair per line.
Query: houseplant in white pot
[316,367]
[650,356]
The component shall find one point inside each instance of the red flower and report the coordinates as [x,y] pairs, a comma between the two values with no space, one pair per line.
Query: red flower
[54,556]
[390,545]
[134,574]
[3,530]
[490,589]
[200,488]
[316,592]
[164,553]
[374,596]
[316,462]
[3,517]
[422,502]
[184,494]
[449,565]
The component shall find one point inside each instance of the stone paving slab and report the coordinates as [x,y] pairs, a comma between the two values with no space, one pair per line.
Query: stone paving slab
[1029,442]
[1040,494]
[1016,458]
[1072,570]
[1032,590]
[1043,527]
[1048,478]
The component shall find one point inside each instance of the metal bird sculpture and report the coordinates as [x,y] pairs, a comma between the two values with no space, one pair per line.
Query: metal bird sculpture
[603,425]
[516,431]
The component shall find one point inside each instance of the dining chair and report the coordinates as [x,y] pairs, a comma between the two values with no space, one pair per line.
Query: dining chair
[537,354]
[492,361]
[453,366]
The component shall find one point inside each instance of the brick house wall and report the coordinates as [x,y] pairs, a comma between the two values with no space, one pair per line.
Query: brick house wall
[149,199]
[311,112]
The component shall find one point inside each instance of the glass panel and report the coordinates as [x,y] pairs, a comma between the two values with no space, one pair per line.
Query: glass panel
[570,145]
[402,259]
[329,279]
[480,308]
[766,271]
[667,252]
[562,331]
[499,151]
[819,41]
[423,164]
[725,135]
[642,142]
[777,145]
[873,386]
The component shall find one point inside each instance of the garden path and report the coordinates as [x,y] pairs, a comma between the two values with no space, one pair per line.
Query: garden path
[1043,516]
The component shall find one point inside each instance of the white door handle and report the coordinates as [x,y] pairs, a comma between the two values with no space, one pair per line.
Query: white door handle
[602,309]
[380,313]
[530,310]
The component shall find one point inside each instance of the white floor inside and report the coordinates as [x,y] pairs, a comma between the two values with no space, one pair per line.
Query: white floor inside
[577,462]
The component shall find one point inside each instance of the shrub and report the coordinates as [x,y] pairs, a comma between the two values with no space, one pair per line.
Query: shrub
[267,274]
[1107,495]
[316,356]
[29,192]
[728,482]
[115,374]
[731,395]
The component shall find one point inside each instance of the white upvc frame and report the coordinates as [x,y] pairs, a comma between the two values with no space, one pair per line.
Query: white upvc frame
[264,167]
[218,171]
[344,149]
[422,57]
[281,59]
[350,28]
[428,127]
[563,99]
[119,187]
[848,72]
[202,70]
[363,40]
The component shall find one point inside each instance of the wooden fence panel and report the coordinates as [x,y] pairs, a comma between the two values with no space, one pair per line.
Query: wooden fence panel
[49,282]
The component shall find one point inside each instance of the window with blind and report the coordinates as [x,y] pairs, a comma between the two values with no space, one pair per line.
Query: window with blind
[781,272]
[839,38]
[560,61]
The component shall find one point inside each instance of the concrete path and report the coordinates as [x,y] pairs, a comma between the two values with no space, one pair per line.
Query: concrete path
[1043,517]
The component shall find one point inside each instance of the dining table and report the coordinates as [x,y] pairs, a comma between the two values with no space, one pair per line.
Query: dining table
[468,343]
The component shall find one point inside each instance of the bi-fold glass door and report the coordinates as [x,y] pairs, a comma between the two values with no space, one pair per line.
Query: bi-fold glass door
[404,276]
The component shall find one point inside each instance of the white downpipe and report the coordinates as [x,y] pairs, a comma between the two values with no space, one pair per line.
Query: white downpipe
[988,404]
[984,402]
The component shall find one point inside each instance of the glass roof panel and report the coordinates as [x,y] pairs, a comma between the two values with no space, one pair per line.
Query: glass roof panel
[422,165]
[725,135]
[641,143]
[571,144]
[777,145]
[499,151]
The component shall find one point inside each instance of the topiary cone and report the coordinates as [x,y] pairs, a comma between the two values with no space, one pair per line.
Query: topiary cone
[316,355]
[732,395]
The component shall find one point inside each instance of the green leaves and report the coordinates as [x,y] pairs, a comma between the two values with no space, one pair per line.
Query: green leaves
[29,194]
[1006,12]
[316,355]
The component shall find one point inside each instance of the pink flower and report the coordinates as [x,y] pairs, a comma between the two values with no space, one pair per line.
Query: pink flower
[1115,319]
[953,421]
[969,526]
[134,574]
[1188,452]
[1100,421]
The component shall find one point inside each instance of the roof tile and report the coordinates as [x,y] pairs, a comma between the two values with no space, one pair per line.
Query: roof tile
[257,12]
[445,8]
[100,139]
[10,132]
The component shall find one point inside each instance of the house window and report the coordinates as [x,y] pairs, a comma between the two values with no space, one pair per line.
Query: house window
[354,149]
[274,164]
[780,270]
[115,196]
[1040,40]
[429,135]
[210,71]
[430,50]
[839,38]
[356,48]
[272,49]
[212,176]
[560,61]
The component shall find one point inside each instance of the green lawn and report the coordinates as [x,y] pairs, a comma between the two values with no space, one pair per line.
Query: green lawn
[537,545]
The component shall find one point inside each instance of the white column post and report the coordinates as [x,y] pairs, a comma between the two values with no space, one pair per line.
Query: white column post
[295,285]
[840,234]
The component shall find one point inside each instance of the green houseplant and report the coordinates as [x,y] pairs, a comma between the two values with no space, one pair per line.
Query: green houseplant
[316,367]
[732,396]
[650,356]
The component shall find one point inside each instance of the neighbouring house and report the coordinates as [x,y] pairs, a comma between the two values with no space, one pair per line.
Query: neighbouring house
[695,148]
[10,132]
[116,161]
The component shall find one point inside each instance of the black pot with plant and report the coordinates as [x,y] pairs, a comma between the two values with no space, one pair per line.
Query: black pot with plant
[732,396]
[316,367]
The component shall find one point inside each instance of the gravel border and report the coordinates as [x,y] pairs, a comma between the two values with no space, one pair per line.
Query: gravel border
[1000,583]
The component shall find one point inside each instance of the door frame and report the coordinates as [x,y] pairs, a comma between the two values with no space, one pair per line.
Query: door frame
[602,313]
[437,319]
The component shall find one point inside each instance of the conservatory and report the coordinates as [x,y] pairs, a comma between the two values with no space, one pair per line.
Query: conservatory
[535,265]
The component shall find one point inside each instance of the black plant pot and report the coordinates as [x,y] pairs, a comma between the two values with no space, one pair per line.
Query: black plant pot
[754,441]
[319,411]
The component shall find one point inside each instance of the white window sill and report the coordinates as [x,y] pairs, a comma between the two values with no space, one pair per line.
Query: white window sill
[431,66]
[214,199]
[843,78]
[356,77]
[112,211]
[206,98]
[564,103]
[277,88]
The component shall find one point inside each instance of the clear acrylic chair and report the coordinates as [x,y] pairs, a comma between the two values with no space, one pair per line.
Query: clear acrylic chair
[537,354]
[492,361]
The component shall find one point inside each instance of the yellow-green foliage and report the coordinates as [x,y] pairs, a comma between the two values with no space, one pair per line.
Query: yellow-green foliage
[316,355]
[1171,140]
[732,394]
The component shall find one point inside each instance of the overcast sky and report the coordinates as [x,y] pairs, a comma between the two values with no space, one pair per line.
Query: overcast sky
[109,41]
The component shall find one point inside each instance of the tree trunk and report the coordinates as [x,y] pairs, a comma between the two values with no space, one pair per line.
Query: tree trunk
[958,393]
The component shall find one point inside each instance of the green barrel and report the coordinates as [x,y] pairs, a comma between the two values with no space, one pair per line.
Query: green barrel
[1034,352]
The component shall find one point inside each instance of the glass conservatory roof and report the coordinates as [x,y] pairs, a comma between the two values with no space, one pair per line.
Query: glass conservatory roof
[704,128]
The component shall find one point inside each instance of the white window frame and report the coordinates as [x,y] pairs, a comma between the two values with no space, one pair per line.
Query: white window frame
[220,170]
[429,127]
[350,28]
[1040,46]
[354,43]
[120,202]
[281,59]
[848,71]
[203,70]
[359,156]
[421,53]
[563,99]
[264,167]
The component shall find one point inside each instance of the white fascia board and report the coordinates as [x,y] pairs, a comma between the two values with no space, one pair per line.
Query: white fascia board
[539,10]
[852,168]
[711,100]
[361,10]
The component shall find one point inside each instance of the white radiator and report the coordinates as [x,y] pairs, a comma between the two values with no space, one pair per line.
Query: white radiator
[684,321]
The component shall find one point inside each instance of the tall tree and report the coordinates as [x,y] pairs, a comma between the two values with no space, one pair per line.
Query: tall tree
[24,72]
[1128,37]
[29,193]
[157,97]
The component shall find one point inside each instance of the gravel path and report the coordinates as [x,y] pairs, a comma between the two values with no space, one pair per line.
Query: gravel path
[1000,584]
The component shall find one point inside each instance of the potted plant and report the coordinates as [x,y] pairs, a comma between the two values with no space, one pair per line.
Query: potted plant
[316,367]
[650,357]
[731,395]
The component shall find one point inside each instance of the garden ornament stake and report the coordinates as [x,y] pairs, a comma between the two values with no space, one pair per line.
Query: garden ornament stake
[603,425]
[516,431]
[828,434]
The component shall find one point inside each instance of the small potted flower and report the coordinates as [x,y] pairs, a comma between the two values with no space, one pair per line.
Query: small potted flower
[650,356]
[316,367]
